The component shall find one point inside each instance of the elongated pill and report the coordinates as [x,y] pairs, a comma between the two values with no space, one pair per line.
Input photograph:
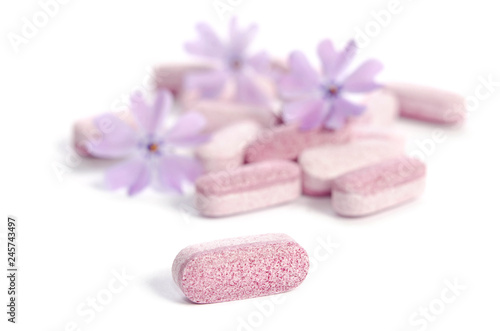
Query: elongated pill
[171,76]
[240,268]
[226,149]
[191,96]
[247,188]
[429,104]
[87,133]
[221,114]
[286,142]
[377,133]
[321,165]
[375,188]
[382,109]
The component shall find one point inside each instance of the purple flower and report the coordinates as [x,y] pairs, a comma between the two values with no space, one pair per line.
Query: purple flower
[151,152]
[233,66]
[316,100]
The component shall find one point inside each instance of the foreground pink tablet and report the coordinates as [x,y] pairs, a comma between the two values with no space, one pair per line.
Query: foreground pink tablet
[247,188]
[220,114]
[286,142]
[171,76]
[429,104]
[226,148]
[375,188]
[240,268]
[321,165]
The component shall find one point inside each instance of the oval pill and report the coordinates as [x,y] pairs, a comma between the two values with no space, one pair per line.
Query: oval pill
[171,76]
[226,149]
[378,187]
[220,114]
[240,268]
[321,165]
[429,104]
[247,188]
[286,142]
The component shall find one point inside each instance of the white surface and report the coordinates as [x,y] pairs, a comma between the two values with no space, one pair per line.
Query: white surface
[72,233]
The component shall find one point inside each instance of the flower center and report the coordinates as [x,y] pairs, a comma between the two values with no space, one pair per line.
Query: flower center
[333,90]
[153,147]
[236,64]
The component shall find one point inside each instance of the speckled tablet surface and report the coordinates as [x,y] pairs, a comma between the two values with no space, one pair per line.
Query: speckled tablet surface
[247,188]
[240,268]
[378,187]
[286,142]
[321,165]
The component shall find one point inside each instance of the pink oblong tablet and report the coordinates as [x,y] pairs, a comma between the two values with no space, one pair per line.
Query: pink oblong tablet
[171,76]
[87,134]
[376,133]
[190,96]
[220,114]
[382,109]
[375,188]
[226,149]
[321,165]
[240,268]
[429,104]
[286,142]
[247,188]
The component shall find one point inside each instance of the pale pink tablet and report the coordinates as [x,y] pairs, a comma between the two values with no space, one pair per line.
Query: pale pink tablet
[362,132]
[321,165]
[382,110]
[220,114]
[429,104]
[86,134]
[240,268]
[171,76]
[226,148]
[247,188]
[191,97]
[286,142]
[378,187]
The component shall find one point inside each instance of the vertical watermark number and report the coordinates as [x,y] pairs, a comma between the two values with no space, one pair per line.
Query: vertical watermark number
[12,273]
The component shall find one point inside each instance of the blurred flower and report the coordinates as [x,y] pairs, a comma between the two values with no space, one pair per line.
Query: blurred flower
[151,152]
[315,100]
[232,64]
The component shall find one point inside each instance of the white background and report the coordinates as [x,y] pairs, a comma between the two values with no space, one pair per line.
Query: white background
[73,233]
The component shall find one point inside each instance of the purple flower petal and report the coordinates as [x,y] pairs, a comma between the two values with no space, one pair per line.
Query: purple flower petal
[150,117]
[247,91]
[239,39]
[301,80]
[340,110]
[209,44]
[362,79]
[308,113]
[134,174]
[187,131]
[118,138]
[339,63]
[174,170]
[349,108]
[327,55]
[335,120]
[209,84]
[260,62]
